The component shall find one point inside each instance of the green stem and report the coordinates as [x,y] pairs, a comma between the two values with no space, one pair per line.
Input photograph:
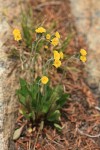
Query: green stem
[34,58]
[64,70]
[37,103]
[47,64]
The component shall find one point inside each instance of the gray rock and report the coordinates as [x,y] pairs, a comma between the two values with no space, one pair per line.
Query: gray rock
[87,14]
[9,10]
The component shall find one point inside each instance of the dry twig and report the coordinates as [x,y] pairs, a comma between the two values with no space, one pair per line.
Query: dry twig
[88,135]
[46,4]
[56,143]
[98,108]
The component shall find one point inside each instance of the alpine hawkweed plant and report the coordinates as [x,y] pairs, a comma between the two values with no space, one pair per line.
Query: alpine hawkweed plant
[40,101]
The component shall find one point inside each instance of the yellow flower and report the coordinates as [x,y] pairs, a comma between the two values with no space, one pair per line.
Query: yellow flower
[44,80]
[57,63]
[17,34]
[61,55]
[83,52]
[56,55]
[46,47]
[55,41]
[57,35]
[48,36]
[40,30]
[83,58]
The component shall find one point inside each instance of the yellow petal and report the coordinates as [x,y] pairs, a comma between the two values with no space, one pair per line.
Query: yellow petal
[44,80]
[48,36]
[83,58]
[57,35]
[55,41]
[56,55]
[57,63]
[61,55]
[83,52]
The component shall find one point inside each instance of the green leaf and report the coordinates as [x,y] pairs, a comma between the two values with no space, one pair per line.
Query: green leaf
[22,82]
[26,33]
[66,42]
[32,115]
[61,101]
[27,116]
[56,92]
[54,116]
[55,95]
[34,44]
[23,89]
[58,127]
[34,90]
[45,107]
[40,45]
[45,98]
[22,100]
[48,93]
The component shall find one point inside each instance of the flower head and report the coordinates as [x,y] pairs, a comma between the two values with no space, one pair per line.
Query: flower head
[57,63]
[55,41]
[57,35]
[83,58]
[83,52]
[48,36]
[61,55]
[40,30]
[44,80]
[56,55]
[17,34]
